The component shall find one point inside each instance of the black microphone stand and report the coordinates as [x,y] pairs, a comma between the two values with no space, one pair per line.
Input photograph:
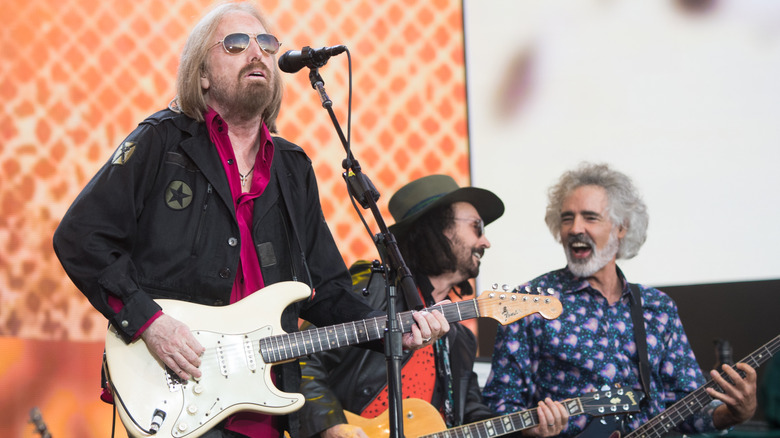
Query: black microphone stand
[361,188]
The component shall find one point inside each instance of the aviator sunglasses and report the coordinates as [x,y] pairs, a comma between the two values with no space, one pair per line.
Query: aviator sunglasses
[236,43]
[478,224]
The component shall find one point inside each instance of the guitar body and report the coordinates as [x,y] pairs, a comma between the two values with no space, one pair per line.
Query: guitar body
[605,427]
[420,418]
[235,377]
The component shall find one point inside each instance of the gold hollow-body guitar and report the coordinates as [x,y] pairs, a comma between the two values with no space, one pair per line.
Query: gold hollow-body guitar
[422,420]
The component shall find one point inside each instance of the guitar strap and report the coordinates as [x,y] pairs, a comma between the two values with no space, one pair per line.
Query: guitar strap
[635,300]
[442,349]
[606,426]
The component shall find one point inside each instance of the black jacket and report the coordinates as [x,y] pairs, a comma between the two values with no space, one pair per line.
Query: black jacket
[157,221]
[350,378]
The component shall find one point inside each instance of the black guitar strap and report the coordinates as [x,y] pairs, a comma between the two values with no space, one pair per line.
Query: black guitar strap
[605,426]
[641,336]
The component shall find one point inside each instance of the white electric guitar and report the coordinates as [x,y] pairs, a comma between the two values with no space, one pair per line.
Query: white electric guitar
[242,341]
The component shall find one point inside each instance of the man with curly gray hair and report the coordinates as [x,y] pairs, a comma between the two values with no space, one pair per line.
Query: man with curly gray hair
[598,216]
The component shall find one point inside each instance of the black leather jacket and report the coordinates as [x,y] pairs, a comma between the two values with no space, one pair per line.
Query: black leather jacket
[157,221]
[350,378]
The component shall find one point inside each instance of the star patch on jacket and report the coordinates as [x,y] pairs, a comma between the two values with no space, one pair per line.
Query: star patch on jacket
[178,195]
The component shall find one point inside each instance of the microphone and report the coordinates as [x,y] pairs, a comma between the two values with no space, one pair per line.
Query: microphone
[294,60]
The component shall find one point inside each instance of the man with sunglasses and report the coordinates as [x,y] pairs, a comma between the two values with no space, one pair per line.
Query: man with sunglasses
[440,232]
[201,204]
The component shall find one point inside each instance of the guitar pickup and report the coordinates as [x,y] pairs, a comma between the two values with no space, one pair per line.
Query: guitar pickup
[249,351]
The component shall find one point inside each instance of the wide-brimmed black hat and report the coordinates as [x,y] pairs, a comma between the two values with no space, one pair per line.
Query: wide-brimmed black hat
[419,196]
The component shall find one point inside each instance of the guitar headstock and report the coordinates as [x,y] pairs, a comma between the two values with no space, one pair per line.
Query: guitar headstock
[611,400]
[507,307]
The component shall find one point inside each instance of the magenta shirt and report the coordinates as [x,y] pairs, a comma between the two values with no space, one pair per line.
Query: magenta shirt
[249,278]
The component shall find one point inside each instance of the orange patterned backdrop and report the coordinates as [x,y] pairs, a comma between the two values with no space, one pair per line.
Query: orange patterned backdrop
[77,75]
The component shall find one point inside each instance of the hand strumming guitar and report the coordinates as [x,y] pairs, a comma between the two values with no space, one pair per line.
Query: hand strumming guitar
[171,341]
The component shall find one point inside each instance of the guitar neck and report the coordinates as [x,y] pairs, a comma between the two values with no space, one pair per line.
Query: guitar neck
[698,399]
[504,424]
[502,306]
[288,346]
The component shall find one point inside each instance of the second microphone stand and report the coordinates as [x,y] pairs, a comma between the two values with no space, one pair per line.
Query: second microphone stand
[361,188]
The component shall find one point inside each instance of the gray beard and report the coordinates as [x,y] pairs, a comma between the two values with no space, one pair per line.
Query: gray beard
[597,260]
[240,101]
[243,104]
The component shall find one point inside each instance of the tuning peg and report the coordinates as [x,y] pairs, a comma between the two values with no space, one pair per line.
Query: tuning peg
[494,286]
[528,289]
[505,287]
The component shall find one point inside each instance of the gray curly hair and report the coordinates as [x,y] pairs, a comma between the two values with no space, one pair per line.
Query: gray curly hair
[625,206]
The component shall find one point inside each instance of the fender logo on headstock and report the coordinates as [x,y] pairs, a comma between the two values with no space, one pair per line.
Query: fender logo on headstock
[507,307]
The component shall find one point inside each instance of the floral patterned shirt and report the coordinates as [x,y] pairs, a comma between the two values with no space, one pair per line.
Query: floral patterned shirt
[591,344]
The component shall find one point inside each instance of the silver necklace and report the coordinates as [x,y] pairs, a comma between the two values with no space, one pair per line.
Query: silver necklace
[243,177]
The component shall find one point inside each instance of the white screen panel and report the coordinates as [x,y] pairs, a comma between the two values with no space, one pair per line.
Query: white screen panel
[687,103]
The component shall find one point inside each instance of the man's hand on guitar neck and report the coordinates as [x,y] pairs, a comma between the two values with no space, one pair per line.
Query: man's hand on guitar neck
[171,341]
[553,417]
[739,397]
[429,327]
[343,431]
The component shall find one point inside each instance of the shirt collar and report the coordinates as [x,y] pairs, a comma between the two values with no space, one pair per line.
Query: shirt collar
[214,120]
[571,283]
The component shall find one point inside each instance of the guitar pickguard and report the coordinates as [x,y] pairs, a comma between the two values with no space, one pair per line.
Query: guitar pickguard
[233,374]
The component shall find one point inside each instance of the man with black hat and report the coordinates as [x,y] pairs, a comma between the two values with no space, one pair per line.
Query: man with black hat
[440,229]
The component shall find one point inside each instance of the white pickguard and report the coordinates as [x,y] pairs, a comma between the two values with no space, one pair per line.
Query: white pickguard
[235,377]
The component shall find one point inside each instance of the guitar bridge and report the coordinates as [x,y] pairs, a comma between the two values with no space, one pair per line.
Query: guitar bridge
[173,381]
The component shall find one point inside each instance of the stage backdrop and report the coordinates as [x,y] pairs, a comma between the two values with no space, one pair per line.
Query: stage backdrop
[681,95]
[78,75]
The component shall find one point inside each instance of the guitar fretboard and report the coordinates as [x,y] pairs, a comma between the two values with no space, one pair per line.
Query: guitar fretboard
[698,399]
[288,346]
[502,425]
